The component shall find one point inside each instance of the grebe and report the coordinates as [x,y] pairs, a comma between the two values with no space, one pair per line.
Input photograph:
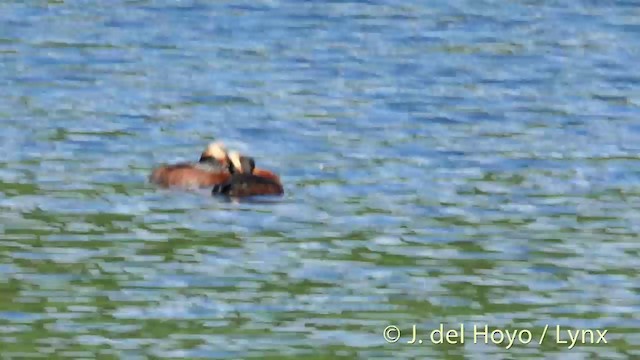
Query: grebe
[245,182]
[213,168]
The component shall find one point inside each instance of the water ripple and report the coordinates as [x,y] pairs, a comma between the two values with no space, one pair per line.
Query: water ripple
[462,162]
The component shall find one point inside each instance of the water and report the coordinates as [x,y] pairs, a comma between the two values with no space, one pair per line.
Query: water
[448,162]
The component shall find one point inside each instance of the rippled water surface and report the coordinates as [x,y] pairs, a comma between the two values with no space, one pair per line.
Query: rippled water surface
[459,161]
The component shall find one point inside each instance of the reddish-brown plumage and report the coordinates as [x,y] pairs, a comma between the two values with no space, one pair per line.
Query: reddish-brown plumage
[266,174]
[212,169]
[241,185]
[188,176]
[247,180]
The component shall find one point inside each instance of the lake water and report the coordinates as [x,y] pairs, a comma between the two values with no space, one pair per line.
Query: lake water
[458,162]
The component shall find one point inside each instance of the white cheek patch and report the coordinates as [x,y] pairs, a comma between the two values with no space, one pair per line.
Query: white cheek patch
[217,150]
[235,160]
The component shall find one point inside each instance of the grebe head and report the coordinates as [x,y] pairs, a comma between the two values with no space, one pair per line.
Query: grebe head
[215,151]
[241,164]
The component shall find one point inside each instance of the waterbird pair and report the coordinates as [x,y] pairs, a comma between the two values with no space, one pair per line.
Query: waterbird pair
[228,173]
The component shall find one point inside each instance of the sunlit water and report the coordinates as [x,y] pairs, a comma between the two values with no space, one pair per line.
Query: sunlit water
[451,162]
